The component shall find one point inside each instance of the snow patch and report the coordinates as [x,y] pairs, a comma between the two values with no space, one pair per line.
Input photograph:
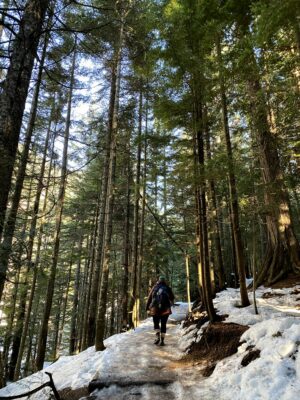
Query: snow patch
[131,356]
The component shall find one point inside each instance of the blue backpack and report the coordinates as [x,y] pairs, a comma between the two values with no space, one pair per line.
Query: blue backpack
[160,298]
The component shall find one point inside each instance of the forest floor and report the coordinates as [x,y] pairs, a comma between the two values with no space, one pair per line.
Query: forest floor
[262,357]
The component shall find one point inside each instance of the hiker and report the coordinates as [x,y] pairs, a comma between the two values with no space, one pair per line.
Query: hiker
[159,305]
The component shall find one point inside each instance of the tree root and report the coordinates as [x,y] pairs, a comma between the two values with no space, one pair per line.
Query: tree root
[276,265]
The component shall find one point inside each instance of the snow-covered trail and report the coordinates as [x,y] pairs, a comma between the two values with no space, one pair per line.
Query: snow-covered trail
[147,367]
[132,367]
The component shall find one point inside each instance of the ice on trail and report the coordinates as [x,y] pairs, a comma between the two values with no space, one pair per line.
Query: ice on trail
[131,358]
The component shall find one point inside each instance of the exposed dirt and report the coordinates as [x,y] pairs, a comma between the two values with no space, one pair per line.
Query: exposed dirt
[268,295]
[252,355]
[200,319]
[70,394]
[219,340]
[296,291]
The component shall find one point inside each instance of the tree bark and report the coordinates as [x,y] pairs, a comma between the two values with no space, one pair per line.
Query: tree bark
[5,247]
[113,299]
[202,207]
[93,302]
[142,289]
[91,265]
[64,306]
[13,373]
[57,323]
[188,288]
[9,328]
[32,235]
[216,233]
[13,97]
[283,245]
[135,303]
[35,277]
[113,117]
[97,257]
[84,284]
[234,205]
[199,241]
[59,211]
[74,320]
[23,292]
[126,242]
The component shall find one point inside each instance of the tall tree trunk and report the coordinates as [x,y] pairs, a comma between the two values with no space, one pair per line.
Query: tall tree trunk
[9,328]
[35,270]
[98,262]
[233,269]
[216,233]
[188,289]
[42,341]
[202,208]
[234,205]
[113,118]
[5,247]
[64,307]
[142,289]
[13,97]
[18,334]
[283,246]
[199,241]
[74,320]
[126,242]
[97,255]
[38,250]
[17,311]
[56,324]
[156,258]
[84,284]
[2,380]
[23,290]
[113,300]
[32,235]
[91,265]
[136,226]
[30,367]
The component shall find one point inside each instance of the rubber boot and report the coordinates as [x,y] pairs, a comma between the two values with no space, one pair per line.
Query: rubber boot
[162,339]
[157,339]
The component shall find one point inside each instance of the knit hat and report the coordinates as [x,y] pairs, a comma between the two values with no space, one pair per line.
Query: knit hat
[162,278]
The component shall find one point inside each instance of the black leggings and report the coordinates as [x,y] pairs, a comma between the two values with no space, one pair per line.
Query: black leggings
[162,319]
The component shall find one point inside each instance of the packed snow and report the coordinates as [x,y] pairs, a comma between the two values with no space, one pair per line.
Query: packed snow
[275,331]
[131,358]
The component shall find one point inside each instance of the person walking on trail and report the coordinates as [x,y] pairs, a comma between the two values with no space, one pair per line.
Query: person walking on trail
[159,304]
